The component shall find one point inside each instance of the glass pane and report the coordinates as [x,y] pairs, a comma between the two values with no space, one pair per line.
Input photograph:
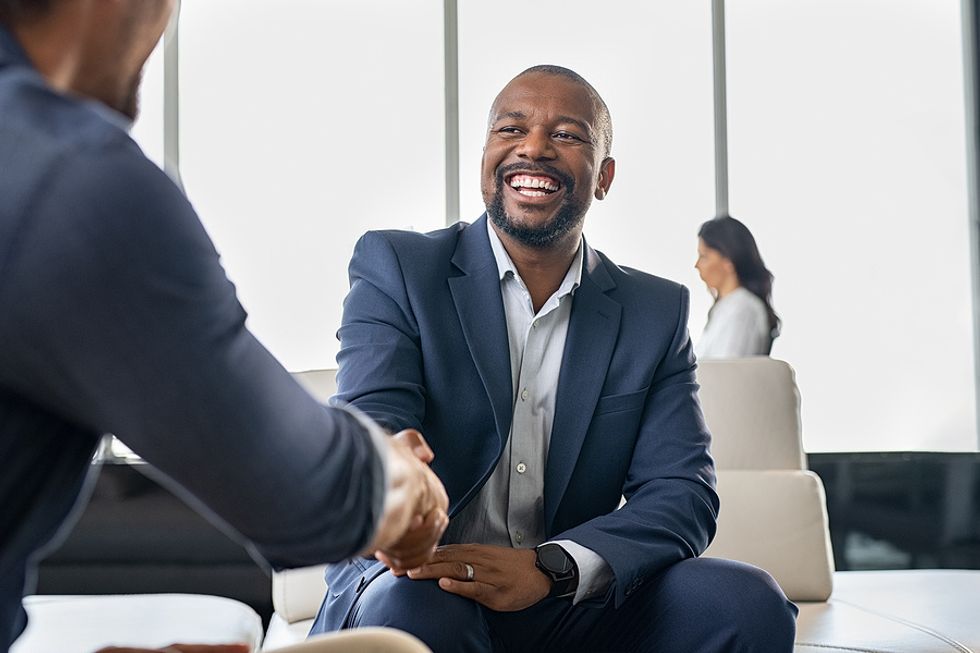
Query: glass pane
[305,123]
[847,153]
[651,62]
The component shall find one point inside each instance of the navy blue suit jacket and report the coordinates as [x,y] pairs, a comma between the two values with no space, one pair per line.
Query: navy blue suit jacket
[424,345]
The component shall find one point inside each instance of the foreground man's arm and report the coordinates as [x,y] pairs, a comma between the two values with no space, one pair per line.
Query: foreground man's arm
[120,319]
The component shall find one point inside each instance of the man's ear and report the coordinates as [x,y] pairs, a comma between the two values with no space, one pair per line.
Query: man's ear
[607,170]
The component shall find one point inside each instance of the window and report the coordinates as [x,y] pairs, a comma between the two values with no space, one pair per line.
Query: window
[148,128]
[847,152]
[305,123]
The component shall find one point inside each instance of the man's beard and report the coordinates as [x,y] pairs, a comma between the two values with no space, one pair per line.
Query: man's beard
[570,213]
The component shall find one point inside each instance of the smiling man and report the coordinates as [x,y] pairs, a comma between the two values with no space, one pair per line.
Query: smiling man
[549,383]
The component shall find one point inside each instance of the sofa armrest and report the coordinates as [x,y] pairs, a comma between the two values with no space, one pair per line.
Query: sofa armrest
[777,520]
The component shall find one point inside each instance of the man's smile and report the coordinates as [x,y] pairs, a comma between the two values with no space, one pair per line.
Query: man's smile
[532,186]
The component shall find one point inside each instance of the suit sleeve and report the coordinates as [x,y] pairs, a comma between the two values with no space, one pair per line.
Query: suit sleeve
[380,355]
[126,323]
[671,505]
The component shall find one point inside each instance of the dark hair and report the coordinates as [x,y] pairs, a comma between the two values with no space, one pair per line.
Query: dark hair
[602,111]
[735,242]
[12,11]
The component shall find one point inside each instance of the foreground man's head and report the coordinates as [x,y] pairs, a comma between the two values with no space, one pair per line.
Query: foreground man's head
[92,48]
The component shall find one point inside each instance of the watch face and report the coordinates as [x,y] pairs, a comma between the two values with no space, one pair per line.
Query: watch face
[554,558]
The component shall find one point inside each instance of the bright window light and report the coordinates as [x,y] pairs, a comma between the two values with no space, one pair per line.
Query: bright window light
[848,161]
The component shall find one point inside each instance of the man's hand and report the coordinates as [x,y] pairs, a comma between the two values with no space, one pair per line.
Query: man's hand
[415,507]
[504,579]
[183,648]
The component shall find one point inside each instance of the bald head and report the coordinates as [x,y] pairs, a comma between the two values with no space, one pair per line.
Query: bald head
[603,122]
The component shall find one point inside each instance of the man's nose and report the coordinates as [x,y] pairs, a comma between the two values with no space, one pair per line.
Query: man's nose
[537,145]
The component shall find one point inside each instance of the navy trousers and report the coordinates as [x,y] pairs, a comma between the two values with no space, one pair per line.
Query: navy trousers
[702,605]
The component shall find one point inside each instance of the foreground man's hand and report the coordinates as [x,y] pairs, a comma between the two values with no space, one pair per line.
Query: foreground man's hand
[504,579]
[415,507]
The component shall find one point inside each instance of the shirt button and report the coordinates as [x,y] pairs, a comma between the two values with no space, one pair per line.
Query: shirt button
[524,395]
[521,468]
[519,536]
[534,325]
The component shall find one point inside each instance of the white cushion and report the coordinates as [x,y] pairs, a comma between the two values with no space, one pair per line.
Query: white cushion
[921,611]
[362,640]
[777,520]
[297,593]
[282,633]
[752,408]
[83,624]
[322,384]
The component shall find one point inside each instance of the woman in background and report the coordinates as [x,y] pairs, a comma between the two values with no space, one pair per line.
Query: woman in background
[742,321]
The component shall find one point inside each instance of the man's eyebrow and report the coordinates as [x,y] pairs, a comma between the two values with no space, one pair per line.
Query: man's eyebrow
[513,115]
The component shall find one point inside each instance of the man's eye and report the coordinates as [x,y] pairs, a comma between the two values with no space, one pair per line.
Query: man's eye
[566,136]
[509,130]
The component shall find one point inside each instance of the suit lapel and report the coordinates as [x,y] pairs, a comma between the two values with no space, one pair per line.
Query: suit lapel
[480,308]
[592,332]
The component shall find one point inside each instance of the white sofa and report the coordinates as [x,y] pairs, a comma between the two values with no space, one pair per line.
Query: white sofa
[774,516]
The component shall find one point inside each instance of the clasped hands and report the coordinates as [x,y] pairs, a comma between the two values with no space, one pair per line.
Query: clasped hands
[416,505]
[502,579]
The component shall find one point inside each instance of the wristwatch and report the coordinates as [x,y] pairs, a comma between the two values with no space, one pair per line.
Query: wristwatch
[555,563]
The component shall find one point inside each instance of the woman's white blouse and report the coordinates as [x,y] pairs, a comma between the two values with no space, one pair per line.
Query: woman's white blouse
[738,325]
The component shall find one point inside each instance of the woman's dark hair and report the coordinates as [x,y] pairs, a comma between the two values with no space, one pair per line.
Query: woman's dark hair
[735,242]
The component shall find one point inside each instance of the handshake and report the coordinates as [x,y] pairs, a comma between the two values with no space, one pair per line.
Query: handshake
[415,508]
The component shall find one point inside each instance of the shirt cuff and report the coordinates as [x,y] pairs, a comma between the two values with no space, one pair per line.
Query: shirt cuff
[594,574]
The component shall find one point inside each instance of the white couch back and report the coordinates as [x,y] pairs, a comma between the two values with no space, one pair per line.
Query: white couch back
[322,384]
[773,512]
[752,408]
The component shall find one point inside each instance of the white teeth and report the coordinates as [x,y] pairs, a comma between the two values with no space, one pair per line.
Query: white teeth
[531,193]
[526,181]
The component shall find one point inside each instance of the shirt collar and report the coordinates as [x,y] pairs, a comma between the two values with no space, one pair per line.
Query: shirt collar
[572,280]
[108,114]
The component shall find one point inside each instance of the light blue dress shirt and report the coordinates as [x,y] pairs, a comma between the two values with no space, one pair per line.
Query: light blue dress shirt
[509,510]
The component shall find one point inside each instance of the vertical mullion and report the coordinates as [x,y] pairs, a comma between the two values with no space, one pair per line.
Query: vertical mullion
[971,85]
[171,101]
[451,61]
[721,106]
